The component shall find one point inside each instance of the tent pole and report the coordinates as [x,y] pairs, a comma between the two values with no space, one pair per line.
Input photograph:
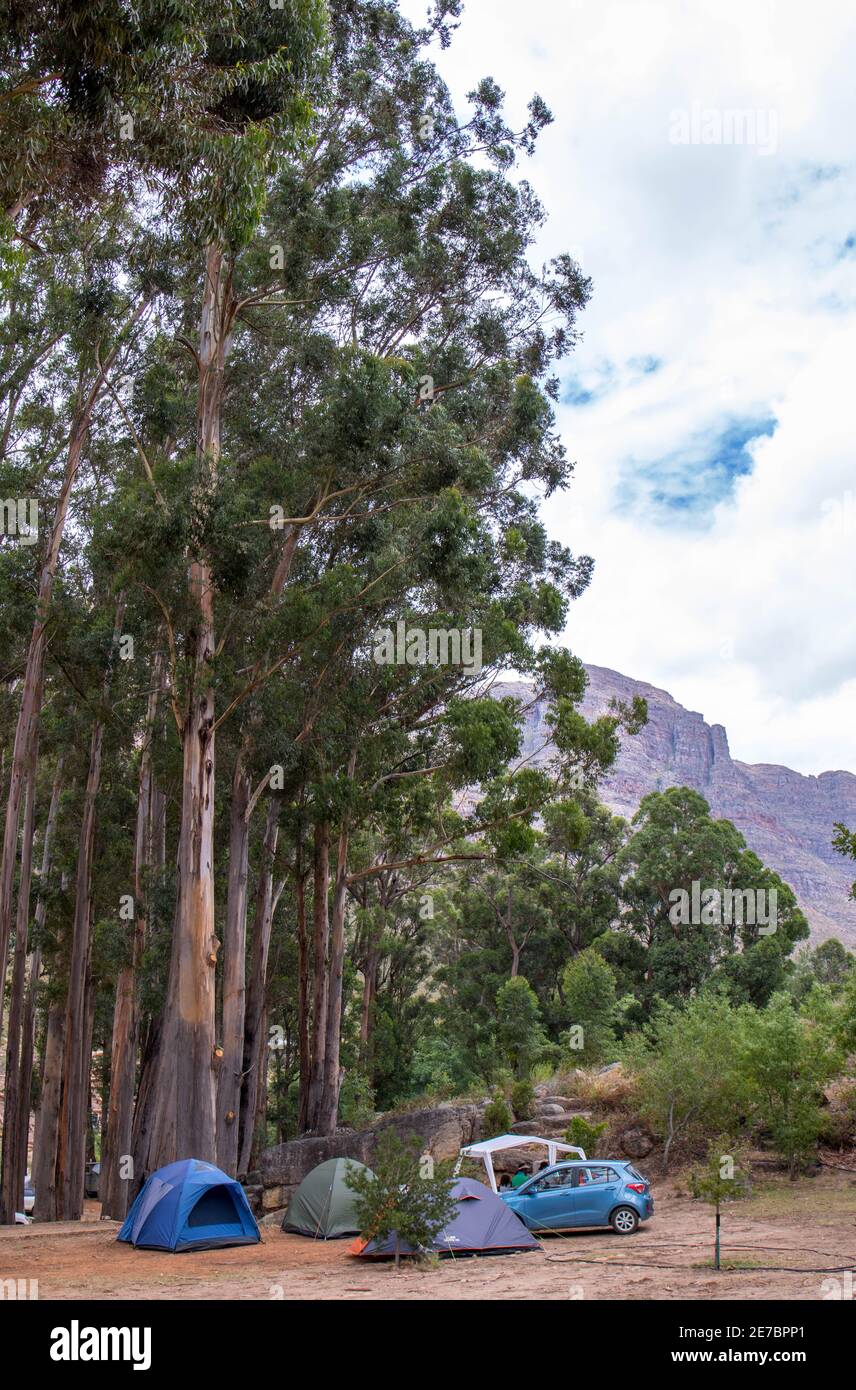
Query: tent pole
[488,1163]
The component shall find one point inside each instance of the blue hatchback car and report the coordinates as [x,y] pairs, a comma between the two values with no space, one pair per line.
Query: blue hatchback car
[606,1192]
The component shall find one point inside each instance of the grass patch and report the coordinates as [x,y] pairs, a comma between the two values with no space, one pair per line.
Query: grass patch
[775,1196]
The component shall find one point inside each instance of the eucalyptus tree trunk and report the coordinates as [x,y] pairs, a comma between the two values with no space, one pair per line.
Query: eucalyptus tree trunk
[234,972]
[304,1055]
[24,747]
[254,1042]
[16,1114]
[28,1019]
[116,1170]
[320,941]
[12,1186]
[185,1120]
[371,965]
[71,1138]
[329,1103]
[47,1206]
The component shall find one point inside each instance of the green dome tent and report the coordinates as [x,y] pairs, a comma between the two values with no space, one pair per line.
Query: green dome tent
[323,1205]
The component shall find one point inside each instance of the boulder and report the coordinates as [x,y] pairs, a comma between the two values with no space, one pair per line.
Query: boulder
[441,1129]
[635,1142]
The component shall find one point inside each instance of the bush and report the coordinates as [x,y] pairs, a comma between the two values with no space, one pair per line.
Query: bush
[399,1197]
[498,1119]
[609,1090]
[522,1097]
[690,1069]
[584,1135]
[787,1061]
[839,1117]
[356,1101]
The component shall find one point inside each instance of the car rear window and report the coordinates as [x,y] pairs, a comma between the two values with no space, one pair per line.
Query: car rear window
[634,1173]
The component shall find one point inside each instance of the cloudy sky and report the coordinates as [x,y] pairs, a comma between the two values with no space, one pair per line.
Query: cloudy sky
[711,407]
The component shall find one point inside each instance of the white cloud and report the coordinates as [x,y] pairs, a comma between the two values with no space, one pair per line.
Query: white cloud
[730,267]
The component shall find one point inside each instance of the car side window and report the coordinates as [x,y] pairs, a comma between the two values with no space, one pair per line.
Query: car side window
[564,1177]
[602,1175]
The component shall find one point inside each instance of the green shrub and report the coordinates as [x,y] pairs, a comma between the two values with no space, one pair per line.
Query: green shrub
[498,1118]
[584,1135]
[522,1097]
[356,1101]
[400,1197]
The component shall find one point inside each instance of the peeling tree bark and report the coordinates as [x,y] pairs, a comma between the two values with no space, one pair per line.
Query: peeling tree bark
[47,1119]
[234,972]
[185,1120]
[320,939]
[116,1172]
[329,1102]
[254,1042]
[71,1137]
[30,711]
[12,1188]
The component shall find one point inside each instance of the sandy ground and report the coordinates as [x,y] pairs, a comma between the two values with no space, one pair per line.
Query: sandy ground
[800,1228]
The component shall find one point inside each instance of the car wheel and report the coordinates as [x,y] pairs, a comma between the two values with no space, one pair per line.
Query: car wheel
[624,1221]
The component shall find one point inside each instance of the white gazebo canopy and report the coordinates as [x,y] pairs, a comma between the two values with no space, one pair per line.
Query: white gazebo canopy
[488,1147]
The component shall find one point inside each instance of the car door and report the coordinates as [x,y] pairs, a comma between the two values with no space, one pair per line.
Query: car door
[595,1193]
[548,1203]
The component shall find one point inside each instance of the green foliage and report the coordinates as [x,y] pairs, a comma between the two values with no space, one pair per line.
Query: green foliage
[688,1062]
[726,1176]
[588,988]
[401,1197]
[787,1059]
[584,1135]
[497,1118]
[522,1099]
[356,1101]
[678,850]
[520,1037]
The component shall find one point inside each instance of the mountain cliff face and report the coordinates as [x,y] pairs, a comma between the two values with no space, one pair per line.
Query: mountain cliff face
[786,818]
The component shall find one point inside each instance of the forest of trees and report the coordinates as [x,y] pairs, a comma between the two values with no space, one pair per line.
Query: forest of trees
[278,371]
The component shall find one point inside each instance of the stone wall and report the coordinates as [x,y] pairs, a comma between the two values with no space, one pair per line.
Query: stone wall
[442,1130]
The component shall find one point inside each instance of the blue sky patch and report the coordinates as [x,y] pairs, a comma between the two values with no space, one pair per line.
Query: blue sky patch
[687,484]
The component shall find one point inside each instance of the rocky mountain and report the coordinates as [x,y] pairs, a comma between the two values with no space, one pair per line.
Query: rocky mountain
[785,817]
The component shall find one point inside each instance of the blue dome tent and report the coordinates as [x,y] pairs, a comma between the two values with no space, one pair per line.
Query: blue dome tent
[190,1205]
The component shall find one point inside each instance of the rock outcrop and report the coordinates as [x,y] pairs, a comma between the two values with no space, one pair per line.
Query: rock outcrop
[785,817]
[442,1130]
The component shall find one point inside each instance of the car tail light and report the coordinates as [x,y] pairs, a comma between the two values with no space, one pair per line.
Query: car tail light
[636,1186]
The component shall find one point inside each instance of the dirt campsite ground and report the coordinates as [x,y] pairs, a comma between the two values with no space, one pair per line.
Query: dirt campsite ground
[797,1228]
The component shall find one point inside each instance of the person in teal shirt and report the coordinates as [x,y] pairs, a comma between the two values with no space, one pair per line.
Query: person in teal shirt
[520,1177]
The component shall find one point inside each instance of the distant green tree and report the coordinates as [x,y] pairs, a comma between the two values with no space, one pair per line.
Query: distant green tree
[519,1032]
[401,1198]
[588,987]
[688,1061]
[786,1060]
[689,881]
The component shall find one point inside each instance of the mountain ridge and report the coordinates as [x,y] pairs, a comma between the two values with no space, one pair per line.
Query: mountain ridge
[786,817]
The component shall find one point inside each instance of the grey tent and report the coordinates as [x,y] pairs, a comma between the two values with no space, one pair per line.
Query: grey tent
[482,1225]
[323,1205]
